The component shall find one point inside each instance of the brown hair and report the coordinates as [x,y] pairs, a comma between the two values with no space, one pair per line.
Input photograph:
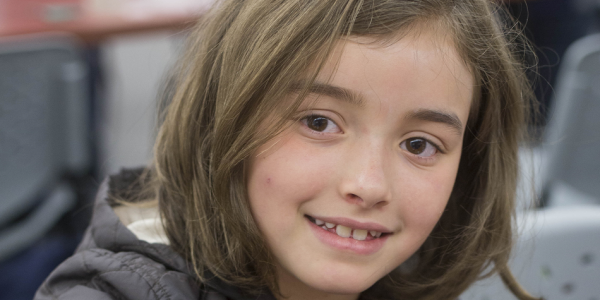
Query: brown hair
[242,60]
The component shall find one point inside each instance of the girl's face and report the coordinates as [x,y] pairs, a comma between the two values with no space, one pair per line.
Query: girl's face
[352,190]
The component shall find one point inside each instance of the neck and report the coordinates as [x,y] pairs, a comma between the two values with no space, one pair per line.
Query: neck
[293,289]
[290,294]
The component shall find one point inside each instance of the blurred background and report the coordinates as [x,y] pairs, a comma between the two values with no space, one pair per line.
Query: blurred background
[79,83]
[79,86]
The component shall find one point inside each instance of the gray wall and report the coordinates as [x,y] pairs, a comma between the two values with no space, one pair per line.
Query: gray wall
[134,67]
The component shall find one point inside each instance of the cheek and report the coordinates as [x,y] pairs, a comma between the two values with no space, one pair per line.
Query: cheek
[427,203]
[288,171]
[282,178]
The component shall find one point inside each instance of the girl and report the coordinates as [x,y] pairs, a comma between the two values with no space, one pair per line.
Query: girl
[321,149]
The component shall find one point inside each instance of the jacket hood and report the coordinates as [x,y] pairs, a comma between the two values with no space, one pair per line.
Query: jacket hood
[110,233]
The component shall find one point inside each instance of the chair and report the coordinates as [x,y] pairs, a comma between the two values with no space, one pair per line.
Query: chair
[557,256]
[44,131]
[572,139]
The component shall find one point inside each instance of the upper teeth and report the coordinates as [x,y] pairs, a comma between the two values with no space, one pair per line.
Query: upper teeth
[344,231]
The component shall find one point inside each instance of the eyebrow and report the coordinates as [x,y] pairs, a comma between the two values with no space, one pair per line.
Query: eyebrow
[430,115]
[328,90]
[346,95]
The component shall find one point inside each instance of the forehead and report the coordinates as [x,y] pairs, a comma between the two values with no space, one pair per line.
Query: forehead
[421,70]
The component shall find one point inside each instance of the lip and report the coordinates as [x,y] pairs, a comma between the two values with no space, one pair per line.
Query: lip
[348,244]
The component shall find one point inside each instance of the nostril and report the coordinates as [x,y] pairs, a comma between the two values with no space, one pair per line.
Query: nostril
[353,198]
[381,204]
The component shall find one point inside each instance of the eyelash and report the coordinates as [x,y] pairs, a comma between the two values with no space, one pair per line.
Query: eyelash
[305,121]
[418,156]
[438,149]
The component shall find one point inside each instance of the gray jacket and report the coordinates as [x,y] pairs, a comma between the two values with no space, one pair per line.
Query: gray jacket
[112,263]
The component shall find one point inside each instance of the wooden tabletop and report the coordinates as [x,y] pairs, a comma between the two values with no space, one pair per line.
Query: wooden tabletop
[95,20]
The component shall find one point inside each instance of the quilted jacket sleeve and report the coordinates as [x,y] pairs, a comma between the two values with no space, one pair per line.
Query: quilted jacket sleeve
[101,274]
[112,263]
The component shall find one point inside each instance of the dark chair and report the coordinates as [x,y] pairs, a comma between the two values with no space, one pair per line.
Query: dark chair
[44,139]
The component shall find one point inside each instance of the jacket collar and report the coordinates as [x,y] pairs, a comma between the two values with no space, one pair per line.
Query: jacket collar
[108,232]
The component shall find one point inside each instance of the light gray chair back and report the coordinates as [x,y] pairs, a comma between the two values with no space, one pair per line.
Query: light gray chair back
[572,138]
[557,256]
[44,113]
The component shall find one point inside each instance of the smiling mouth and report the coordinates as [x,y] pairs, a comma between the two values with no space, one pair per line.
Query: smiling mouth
[347,232]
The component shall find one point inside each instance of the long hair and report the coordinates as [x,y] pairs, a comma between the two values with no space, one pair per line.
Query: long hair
[241,61]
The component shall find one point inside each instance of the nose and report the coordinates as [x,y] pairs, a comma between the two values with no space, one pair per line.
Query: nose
[365,181]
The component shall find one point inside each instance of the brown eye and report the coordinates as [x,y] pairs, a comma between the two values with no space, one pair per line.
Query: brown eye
[420,147]
[416,145]
[317,123]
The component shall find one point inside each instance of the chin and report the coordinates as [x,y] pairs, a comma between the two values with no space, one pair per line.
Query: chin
[342,285]
[341,288]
